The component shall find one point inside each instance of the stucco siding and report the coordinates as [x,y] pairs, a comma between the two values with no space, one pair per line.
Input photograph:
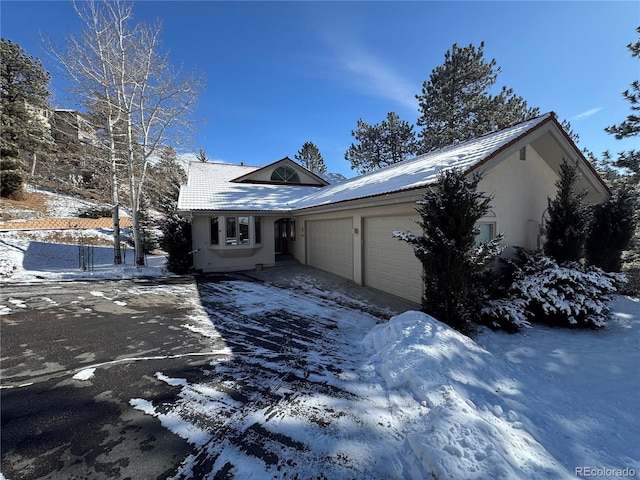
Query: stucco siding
[520,190]
[209,258]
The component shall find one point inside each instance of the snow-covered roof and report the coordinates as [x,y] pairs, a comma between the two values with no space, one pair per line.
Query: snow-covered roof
[210,185]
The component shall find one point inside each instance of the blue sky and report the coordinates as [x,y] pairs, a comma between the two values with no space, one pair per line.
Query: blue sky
[279,74]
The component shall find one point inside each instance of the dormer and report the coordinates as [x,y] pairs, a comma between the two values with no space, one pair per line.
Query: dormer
[283,172]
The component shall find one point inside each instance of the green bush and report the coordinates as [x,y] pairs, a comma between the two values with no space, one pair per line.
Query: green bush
[177,243]
[567,295]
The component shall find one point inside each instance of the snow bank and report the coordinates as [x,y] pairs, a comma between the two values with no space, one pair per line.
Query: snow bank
[466,430]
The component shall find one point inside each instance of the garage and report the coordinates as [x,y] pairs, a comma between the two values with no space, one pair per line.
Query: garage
[389,264]
[330,245]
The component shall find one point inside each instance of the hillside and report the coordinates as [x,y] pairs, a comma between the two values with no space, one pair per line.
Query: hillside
[47,235]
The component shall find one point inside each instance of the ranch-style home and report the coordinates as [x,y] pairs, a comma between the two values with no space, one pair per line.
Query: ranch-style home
[245,217]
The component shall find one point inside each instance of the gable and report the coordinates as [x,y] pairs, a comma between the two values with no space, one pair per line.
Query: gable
[283,172]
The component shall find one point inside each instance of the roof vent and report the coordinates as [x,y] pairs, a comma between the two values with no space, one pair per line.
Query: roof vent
[523,153]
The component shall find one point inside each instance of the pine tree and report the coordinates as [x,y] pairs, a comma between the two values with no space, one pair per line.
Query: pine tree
[628,163]
[612,230]
[569,219]
[389,142]
[631,126]
[456,104]
[202,157]
[167,176]
[25,130]
[451,260]
[309,157]
[177,242]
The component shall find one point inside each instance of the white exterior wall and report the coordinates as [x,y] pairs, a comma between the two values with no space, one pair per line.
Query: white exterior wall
[404,212]
[210,258]
[520,190]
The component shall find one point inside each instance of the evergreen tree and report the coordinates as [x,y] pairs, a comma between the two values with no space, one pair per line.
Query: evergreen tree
[24,109]
[569,219]
[309,157]
[629,164]
[167,176]
[452,262]
[631,126]
[389,142]
[176,241]
[456,104]
[612,230]
[202,157]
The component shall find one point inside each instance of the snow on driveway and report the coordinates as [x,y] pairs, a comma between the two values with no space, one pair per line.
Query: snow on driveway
[314,387]
[296,396]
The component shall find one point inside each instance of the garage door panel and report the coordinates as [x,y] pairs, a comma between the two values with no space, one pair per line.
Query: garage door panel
[389,264]
[330,246]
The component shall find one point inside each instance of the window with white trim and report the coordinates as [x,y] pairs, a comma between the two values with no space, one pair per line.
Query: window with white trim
[231,231]
[214,236]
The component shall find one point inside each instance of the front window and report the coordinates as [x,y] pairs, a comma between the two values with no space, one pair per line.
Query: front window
[237,231]
[215,239]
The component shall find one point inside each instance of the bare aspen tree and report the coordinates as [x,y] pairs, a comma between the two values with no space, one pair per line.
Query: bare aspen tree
[123,79]
[91,63]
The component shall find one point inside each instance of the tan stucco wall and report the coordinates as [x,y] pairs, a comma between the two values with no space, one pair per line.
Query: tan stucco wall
[520,189]
[208,258]
[357,215]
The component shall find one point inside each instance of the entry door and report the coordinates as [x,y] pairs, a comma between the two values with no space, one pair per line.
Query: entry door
[284,229]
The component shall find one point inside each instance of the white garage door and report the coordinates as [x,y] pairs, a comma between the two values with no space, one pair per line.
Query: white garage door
[330,245]
[389,264]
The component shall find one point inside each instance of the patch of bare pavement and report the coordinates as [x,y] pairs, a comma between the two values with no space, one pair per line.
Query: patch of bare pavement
[219,378]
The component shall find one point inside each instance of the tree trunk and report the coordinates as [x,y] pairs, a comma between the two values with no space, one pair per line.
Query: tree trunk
[137,239]
[117,254]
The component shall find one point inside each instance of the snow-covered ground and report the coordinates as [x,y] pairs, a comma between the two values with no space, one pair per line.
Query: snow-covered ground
[543,404]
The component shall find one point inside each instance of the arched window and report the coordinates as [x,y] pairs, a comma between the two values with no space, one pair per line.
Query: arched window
[285,174]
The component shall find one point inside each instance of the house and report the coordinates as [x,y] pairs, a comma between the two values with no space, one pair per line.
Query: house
[71,126]
[245,217]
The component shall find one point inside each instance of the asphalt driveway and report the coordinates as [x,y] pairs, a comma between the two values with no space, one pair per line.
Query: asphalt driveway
[223,377]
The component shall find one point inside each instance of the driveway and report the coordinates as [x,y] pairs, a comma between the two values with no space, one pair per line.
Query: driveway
[222,377]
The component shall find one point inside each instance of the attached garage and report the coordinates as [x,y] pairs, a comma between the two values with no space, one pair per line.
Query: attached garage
[389,264]
[330,245]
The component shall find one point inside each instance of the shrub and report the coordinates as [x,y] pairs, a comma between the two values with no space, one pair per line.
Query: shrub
[96,211]
[452,261]
[11,177]
[569,218]
[567,295]
[612,230]
[176,242]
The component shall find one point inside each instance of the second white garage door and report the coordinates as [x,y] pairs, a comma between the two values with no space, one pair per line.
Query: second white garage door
[388,263]
[330,245]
